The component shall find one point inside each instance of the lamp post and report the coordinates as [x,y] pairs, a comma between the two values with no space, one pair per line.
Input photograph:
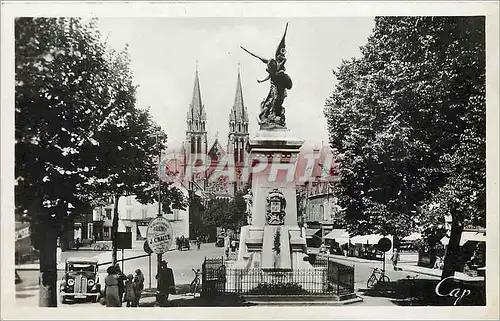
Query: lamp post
[159,256]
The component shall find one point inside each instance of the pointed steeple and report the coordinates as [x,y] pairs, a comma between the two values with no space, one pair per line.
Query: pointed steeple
[196,109]
[239,111]
[238,117]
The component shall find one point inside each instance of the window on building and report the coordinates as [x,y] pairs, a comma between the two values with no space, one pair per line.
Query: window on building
[108,213]
[129,214]
[106,232]
[129,200]
[144,212]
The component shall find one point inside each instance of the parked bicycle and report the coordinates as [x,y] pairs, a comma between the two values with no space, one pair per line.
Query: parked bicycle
[100,247]
[378,276]
[196,283]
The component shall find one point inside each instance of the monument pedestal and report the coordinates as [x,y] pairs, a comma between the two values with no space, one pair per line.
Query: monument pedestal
[272,241]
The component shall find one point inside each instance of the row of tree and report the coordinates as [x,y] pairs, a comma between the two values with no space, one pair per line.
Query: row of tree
[408,122]
[223,213]
[79,137]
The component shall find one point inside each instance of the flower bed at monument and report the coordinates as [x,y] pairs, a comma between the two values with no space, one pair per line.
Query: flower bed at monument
[278,289]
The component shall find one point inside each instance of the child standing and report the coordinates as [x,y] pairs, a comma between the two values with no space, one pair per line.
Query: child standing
[130,291]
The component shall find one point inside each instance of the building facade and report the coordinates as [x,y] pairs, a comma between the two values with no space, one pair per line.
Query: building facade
[134,217]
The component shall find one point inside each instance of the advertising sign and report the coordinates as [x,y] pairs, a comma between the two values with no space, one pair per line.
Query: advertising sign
[159,235]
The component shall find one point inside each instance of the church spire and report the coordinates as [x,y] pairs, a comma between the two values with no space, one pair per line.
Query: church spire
[196,109]
[238,112]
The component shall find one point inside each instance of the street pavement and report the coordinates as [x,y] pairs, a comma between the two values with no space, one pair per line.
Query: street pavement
[182,263]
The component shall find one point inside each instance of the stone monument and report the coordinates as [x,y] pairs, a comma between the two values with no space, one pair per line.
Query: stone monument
[272,241]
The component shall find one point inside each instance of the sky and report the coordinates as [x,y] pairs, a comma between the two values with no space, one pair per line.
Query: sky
[165,53]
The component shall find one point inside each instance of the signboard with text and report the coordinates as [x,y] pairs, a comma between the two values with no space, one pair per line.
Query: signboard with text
[159,235]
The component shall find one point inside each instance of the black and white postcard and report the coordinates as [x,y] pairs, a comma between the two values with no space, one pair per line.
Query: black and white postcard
[249,160]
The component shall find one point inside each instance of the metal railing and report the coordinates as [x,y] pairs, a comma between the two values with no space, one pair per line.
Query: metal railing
[326,278]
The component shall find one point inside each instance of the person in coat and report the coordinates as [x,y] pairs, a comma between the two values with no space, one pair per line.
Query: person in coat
[139,286]
[121,281]
[129,296]
[166,283]
[111,288]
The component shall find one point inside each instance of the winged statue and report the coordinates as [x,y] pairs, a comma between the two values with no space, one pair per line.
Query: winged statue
[272,113]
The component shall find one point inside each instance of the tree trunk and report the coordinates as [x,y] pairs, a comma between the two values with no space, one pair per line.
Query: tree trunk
[114,230]
[452,258]
[47,244]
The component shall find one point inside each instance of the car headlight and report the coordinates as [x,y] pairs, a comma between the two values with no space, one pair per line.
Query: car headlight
[91,282]
[71,282]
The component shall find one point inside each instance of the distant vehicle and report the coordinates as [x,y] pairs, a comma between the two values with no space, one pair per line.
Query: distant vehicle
[220,241]
[183,244]
[81,280]
[235,244]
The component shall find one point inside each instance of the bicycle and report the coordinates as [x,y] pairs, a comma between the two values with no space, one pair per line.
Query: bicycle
[378,276]
[196,283]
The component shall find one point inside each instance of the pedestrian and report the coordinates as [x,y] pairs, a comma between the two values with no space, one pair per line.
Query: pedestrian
[139,286]
[167,283]
[439,262]
[121,281]
[395,259]
[111,291]
[129,296]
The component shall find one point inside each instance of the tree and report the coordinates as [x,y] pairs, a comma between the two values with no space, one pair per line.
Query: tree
[216,214]
[237,211]
[60,97]
[227,214]
[130,143]
[408,122]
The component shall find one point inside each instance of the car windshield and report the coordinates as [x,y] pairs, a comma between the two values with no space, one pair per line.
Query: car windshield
[81,267]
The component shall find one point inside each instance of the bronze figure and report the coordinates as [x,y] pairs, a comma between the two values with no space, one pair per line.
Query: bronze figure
[272,113]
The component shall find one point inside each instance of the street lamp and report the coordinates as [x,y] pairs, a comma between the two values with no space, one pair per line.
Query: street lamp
[159,256]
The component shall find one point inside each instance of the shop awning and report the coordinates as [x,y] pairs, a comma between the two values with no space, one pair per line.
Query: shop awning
[366,239]
[142,231]
[413,237]
[311,232]
[466,237]
[339,235]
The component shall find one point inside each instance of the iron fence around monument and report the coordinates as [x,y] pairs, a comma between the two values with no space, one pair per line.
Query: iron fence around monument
[326,278]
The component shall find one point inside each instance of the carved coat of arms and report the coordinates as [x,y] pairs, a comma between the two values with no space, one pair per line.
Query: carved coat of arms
[275,208]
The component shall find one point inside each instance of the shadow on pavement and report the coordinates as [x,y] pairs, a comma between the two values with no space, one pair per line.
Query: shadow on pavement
[421,292]
[183,298]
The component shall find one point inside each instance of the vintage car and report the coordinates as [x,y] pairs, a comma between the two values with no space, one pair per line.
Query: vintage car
[81,280]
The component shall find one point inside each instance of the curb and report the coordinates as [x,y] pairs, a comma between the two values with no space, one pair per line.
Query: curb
[419,272]
[308,302]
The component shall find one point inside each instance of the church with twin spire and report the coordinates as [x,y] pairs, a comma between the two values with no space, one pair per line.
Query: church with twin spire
[214,182]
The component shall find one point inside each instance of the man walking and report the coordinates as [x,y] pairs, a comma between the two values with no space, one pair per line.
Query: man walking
[395,259]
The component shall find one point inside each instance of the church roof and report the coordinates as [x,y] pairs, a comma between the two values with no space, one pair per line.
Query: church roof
[216,151]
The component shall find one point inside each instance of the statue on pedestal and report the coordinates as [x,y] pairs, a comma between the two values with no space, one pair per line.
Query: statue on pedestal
[272,113]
